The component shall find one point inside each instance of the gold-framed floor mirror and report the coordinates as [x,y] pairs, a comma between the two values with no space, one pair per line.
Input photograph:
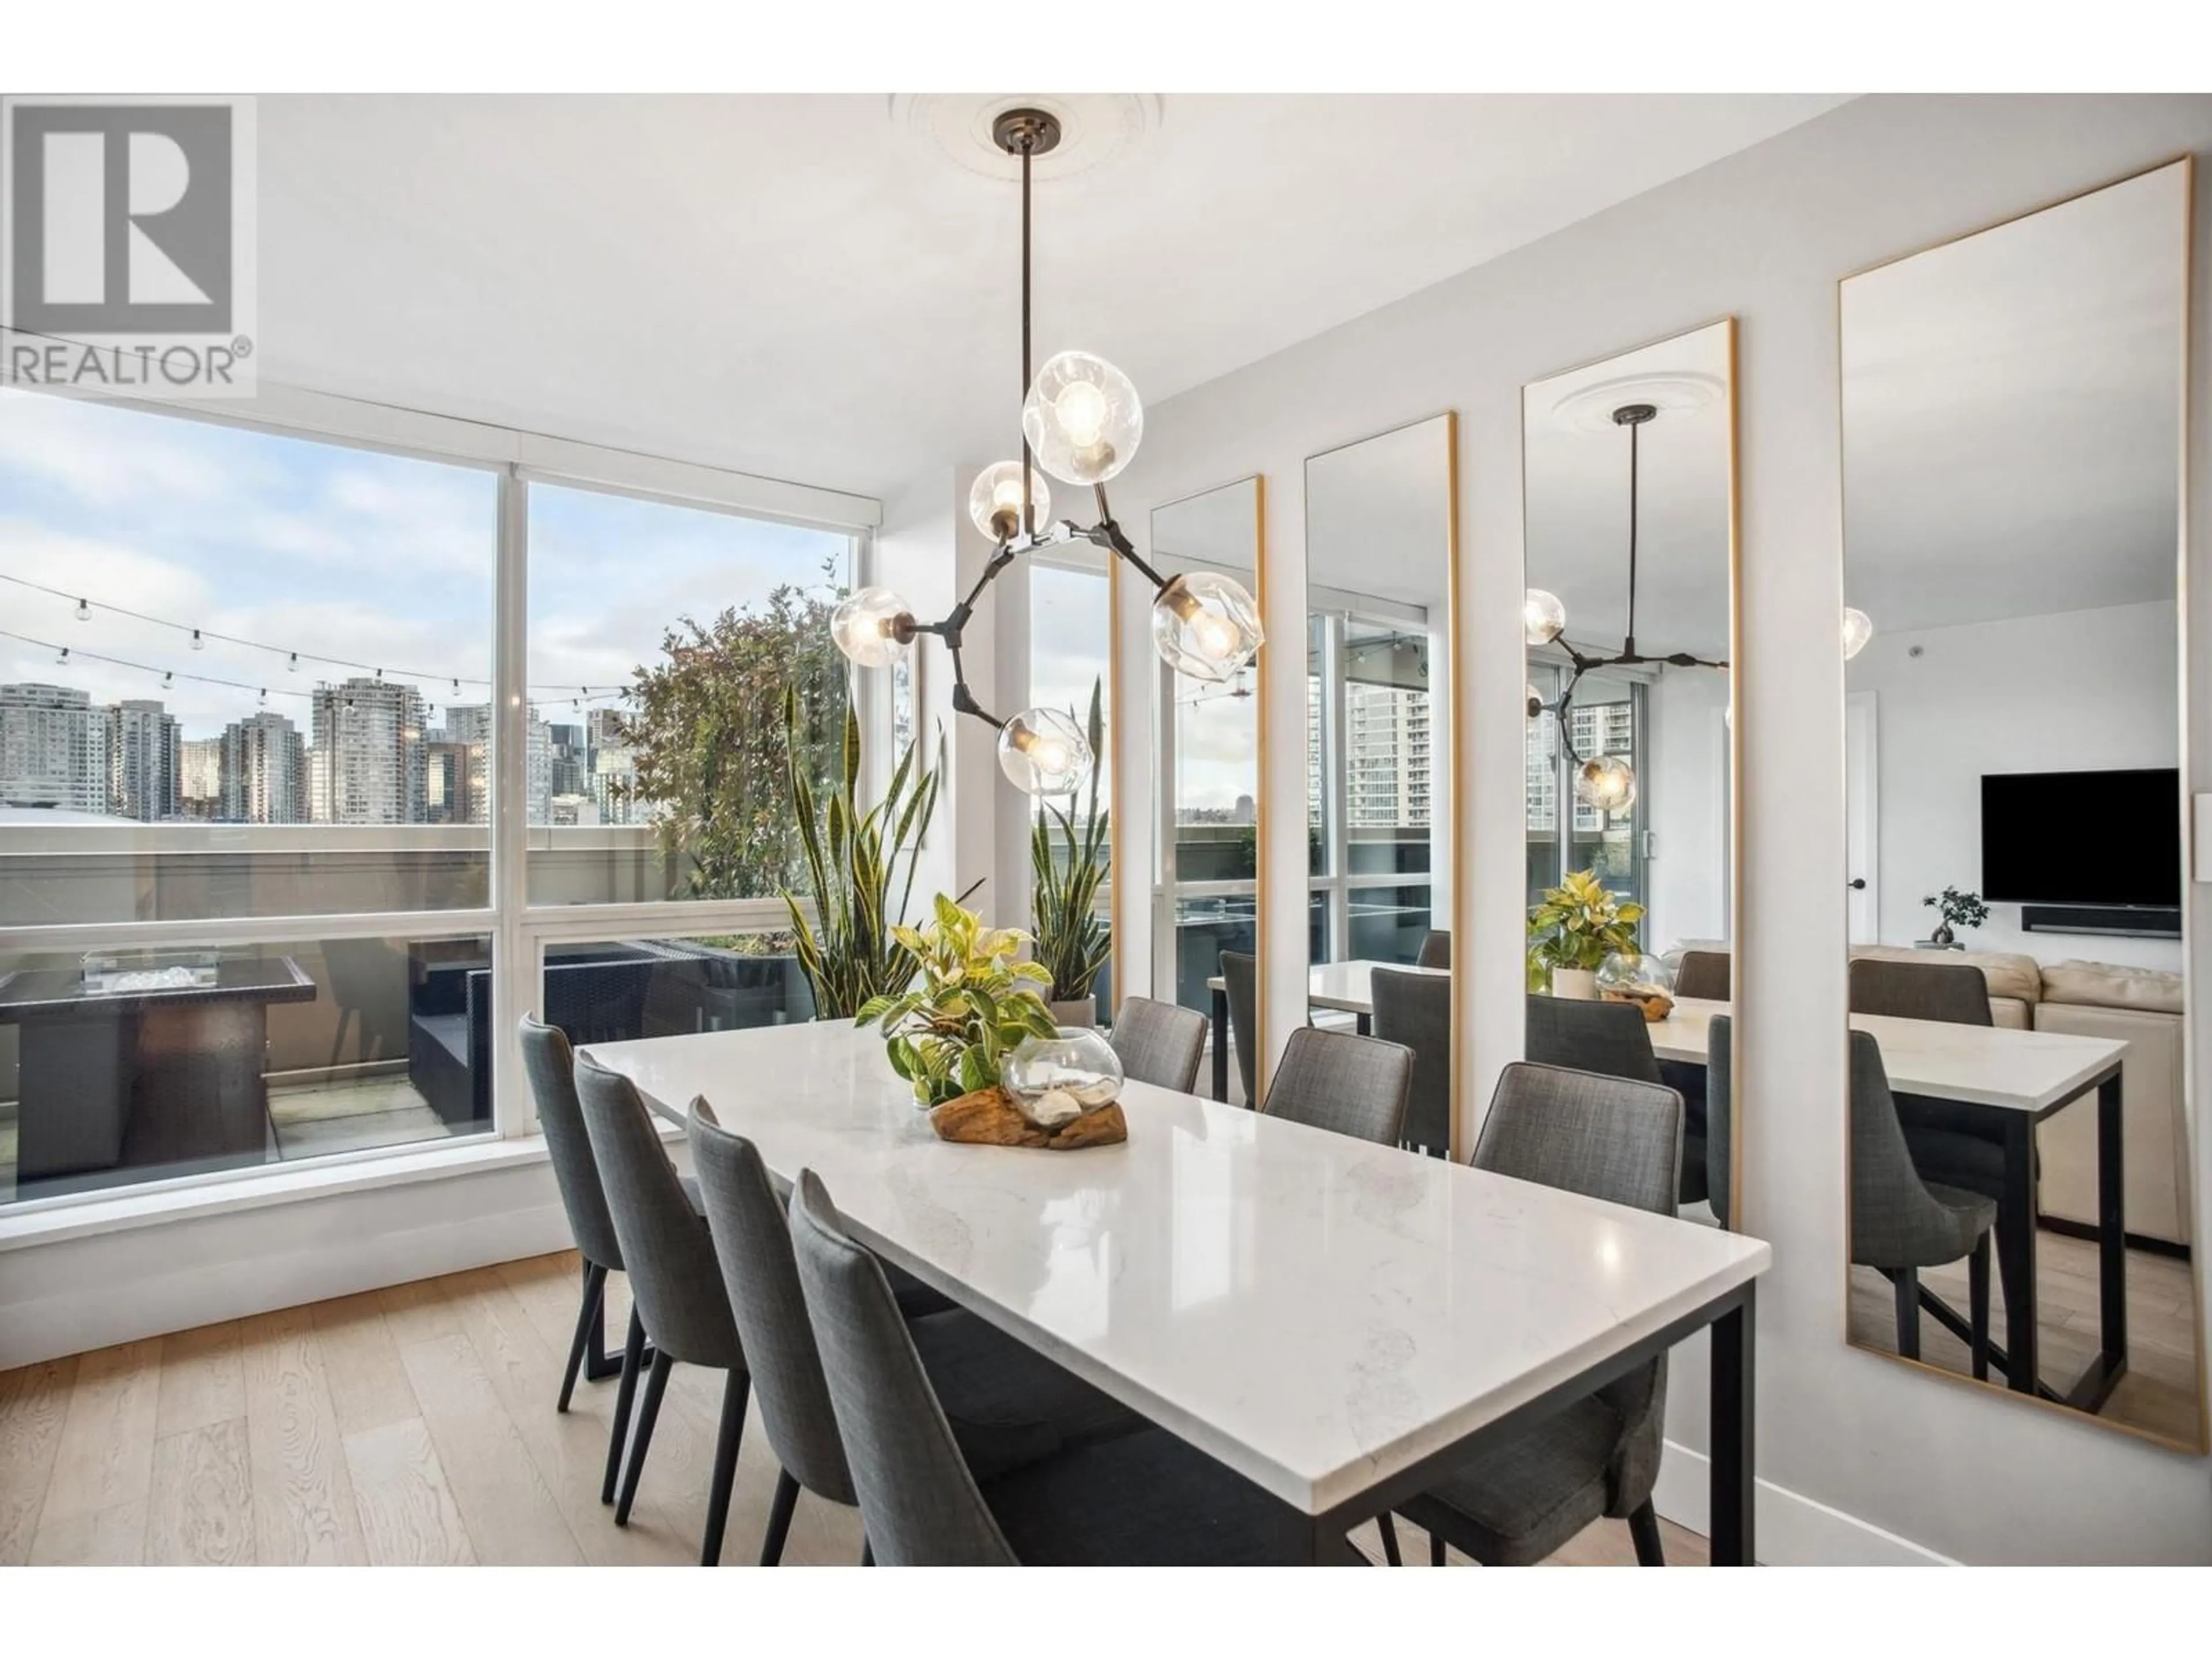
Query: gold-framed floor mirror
[1629,496]
[2014,413]
[1206,939]
[1381,515]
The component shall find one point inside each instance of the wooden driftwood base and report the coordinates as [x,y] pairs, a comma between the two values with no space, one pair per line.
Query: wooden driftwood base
[987,1118]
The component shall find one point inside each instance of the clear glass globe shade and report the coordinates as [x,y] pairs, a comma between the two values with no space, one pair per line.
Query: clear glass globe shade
[1205,626]
[1044,752]
[1858,628]
[994,502]
[1083,418]
[1607,784]
[1545,618]
[865,627]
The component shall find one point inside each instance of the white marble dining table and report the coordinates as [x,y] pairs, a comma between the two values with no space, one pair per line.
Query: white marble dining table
[1338,1321]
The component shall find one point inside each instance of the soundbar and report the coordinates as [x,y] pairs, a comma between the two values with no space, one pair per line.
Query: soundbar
[2127,922]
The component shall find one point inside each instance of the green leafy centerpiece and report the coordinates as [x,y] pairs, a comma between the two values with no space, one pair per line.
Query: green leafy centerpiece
[1573,931]
[950,1034]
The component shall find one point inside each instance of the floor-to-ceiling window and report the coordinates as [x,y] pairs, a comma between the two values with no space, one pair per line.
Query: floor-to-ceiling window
[1606,715]
[255,731]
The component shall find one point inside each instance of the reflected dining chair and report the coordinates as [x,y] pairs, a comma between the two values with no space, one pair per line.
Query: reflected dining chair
[1240,976]
[1953,1145]
[1899,1222]
[1144,1499]
[1159,1043]
[552,1066]
[1522,1499]
[674,1277]
[1007,1403]
[1436,949]
[1609,1038]
[1415,1010]
[1704,976]
[1355,1086]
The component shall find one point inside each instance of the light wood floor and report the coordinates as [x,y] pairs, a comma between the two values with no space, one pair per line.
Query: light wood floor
[413,1425]
[2159,1393]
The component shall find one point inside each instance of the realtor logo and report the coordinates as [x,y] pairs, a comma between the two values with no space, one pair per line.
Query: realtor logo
[129,249]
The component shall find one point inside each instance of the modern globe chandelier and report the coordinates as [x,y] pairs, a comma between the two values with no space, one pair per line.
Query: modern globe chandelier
[1605,782]
[1081,422]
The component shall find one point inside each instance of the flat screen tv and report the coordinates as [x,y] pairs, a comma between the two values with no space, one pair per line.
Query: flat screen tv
[2100,838]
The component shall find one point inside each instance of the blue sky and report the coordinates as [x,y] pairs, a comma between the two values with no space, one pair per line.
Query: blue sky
[314,547]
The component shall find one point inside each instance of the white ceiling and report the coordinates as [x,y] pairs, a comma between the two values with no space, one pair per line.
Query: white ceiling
[811,287]
[2012,416]
[1574,460]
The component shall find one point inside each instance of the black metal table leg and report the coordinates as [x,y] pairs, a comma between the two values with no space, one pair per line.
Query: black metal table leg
[1221,1044]
[1734,1397]
[2095,1384]
[2016,1252]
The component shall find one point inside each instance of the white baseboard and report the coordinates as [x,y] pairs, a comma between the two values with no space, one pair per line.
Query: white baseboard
[1792,1530]
[77,1293]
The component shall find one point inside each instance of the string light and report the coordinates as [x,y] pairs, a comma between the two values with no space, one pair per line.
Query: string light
[200,636]
[169,679]
[64,657]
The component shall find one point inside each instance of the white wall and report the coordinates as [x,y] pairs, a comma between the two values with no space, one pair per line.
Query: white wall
[1688,813]
[1764,235]
[2077,691]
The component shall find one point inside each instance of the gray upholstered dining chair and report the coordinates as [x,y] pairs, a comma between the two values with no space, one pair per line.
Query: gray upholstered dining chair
[1900,1221]
[552,1066]
[1144,1499]
[674,1277]
[1952,1145]
[1523,1498]
[1240,977]
[1415,1010]
[1704,976]
[1008,1404]
[1159,1043]
[1609,1038]
[1953,992]
[1436,949]
[1355,1086]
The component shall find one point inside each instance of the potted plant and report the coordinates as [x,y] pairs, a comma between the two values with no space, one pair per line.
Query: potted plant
[1573,931]
[1954,909]
[851,952]
[1066,865]
[975,1002]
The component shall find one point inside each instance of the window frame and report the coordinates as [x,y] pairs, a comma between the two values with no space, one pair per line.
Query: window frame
[518,931]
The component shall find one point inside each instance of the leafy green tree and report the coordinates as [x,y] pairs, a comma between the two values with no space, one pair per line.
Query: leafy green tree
[711,755]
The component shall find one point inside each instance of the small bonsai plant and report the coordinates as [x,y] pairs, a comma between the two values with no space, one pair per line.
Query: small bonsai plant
[1066,866]
[974,1003]
[1576,927]
[1955,909]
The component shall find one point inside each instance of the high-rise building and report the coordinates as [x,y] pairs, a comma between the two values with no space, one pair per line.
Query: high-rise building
[264,771]
[571,760]
[144,762]
[468,722]
[368,762]
[200,776]
[604,729]
[454,789]
[538,770]
[53,749]
[614,776]
[1386,741]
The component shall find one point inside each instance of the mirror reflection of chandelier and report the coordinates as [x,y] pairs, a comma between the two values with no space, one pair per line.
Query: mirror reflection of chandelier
[1603,781]
[1081,422]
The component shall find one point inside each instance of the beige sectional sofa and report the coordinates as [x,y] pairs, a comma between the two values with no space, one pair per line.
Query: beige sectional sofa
[2140,1007]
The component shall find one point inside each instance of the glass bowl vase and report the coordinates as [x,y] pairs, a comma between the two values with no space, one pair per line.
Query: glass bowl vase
[1647,982]
[1052,1081]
